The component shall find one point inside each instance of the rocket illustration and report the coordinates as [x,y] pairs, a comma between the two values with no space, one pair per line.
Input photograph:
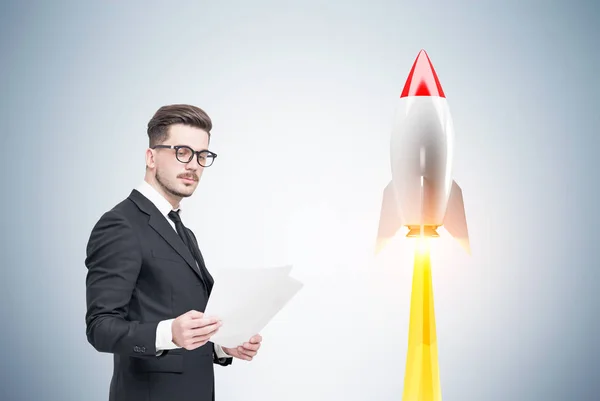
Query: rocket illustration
[422,194]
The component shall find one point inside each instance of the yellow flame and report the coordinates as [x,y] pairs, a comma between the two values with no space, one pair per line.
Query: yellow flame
[421,379]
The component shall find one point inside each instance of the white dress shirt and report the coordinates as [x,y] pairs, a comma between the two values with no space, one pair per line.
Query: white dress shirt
[164,338]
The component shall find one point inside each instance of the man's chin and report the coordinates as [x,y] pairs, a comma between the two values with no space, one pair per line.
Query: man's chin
[185,192]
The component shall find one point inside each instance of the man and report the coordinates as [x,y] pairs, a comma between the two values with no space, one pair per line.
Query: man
[147,284]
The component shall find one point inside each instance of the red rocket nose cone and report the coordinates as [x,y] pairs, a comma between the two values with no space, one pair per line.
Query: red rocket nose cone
[422,79]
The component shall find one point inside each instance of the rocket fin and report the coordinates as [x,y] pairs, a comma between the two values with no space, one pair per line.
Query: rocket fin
[389,219]
[455,221]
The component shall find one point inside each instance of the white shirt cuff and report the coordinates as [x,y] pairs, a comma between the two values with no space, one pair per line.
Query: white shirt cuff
[164,336]
[220,353]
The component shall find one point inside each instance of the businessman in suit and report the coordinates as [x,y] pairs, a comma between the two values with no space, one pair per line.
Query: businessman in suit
[147,284]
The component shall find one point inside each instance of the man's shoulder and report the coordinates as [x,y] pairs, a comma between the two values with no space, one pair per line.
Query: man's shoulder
[125,211]
[117,227]
[123,208]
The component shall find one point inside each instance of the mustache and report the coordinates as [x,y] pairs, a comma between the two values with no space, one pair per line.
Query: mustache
[188,175]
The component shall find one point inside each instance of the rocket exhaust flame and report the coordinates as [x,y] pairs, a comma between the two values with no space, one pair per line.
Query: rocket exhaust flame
[422,375]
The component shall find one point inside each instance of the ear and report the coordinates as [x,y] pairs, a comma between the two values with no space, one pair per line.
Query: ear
[150,162]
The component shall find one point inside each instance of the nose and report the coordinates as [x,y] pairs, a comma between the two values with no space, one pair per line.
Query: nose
[192,165]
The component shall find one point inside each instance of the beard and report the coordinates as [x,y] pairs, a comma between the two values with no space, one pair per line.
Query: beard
[171,187]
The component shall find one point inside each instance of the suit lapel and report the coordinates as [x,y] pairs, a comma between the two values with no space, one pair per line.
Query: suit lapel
[159,223]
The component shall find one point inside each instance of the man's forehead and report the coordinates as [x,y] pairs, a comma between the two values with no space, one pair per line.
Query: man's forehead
[190,136]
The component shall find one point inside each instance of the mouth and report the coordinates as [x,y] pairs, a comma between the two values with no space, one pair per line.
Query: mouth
[188,180]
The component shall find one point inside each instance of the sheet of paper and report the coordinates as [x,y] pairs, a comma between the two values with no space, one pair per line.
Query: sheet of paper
[247,299]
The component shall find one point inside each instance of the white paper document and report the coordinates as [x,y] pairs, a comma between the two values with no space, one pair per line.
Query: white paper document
[247,299]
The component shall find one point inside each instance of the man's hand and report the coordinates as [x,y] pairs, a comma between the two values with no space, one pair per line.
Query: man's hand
[247,350]
[192,330]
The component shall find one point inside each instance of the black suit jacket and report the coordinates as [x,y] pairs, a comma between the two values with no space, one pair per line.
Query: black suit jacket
[139,273]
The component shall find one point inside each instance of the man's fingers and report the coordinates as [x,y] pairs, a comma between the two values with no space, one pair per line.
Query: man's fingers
[246,354]
[206,330]
[249,350]
[194,314]
[195,341]
[201,333]
[251,347]
[198,323]
[200,340]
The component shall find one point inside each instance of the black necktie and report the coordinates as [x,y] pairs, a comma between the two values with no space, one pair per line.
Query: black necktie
[183,234]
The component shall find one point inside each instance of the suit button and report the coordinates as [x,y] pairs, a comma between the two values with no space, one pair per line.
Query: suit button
[136,349]
[143,349]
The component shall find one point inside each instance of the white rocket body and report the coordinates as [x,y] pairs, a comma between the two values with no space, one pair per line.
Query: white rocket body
[422,194]
[421,146]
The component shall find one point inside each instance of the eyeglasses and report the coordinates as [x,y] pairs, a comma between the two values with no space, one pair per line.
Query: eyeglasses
[185,154]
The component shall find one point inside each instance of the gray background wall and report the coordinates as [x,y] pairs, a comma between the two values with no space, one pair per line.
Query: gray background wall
[302,97]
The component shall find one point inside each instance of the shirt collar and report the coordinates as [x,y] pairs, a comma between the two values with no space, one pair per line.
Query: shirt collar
[161,203]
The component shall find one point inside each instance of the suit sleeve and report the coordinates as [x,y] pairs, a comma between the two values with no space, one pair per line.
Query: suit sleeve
[219,356]
[114,260]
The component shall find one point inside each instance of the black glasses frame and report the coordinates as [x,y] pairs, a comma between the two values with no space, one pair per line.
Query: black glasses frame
[193,153]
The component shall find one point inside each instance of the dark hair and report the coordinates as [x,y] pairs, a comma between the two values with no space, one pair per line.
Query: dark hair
[158,126]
